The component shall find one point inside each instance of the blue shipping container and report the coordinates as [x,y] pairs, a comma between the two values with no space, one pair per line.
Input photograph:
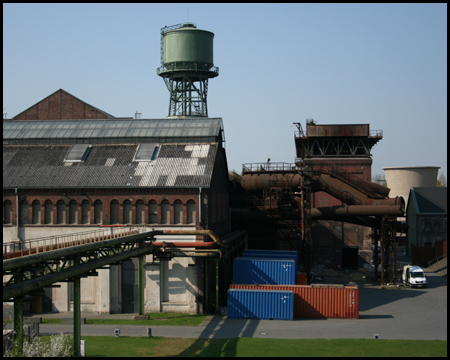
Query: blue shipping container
[264,271]
[272,254]
[260,304]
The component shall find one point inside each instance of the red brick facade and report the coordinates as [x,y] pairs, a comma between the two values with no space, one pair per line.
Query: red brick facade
[62,106]
[215,217]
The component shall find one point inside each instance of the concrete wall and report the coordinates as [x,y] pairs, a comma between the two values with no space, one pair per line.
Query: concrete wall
[169,285]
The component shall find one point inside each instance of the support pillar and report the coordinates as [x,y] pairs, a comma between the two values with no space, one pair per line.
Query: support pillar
[205,267]
[76,317]
[18,326]
[306,230]
[383,251]
[141,284]
[376,238]
[217,285]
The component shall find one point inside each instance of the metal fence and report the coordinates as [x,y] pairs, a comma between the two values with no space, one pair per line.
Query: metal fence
[54,242]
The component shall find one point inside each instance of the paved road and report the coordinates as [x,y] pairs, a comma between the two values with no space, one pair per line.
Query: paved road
[408,314]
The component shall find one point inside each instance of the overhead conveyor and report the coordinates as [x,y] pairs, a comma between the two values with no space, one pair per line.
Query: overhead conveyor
[32,270]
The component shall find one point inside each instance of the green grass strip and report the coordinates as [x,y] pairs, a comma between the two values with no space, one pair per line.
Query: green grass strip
[110,346]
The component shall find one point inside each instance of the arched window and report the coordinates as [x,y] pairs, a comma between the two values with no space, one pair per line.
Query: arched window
[60,212]
[7,212]
[48,207]
[178,212]
[114,212]
[152,212]
[85,212]
[98,212]
[36,213]
[127,209]
[73,212]
[191,215]
[140,213]
[23,213]
[165,212]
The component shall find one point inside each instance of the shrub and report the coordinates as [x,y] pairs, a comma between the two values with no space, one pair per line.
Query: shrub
[58,346]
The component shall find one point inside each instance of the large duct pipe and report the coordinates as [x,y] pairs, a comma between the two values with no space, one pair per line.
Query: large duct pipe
[258,182]
[356,210]
[350,195]
[346,213]
[333,186]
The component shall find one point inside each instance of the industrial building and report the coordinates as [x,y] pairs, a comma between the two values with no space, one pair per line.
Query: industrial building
[69,167]
[324,205]
[426,210]
[426,214]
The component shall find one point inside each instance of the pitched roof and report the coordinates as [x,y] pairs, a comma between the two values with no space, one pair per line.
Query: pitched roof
[110,131]
[428,200]
[108,166]
[62,105]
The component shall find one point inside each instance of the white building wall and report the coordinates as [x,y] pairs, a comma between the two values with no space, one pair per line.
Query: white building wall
[176,292]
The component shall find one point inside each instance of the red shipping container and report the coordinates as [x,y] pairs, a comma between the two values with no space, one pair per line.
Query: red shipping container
[312,301]
[301,278]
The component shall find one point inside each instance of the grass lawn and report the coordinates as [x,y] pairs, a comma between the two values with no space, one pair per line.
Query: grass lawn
[163,318]
[110,346]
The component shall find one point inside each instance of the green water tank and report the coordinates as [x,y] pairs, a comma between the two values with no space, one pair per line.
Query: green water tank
[189,47]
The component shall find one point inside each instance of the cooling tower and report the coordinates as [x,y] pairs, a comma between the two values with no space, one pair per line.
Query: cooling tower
[401,179]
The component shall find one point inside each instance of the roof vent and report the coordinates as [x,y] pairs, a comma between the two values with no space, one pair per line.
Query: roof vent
[147,152]
[78,152]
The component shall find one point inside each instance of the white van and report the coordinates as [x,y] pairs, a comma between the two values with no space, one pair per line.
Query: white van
[414,276]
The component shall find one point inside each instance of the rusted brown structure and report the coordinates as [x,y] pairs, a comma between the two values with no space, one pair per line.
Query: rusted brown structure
[325,204]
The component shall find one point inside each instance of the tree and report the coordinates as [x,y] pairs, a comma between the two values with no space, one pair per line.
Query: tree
[379,179]
[441,181]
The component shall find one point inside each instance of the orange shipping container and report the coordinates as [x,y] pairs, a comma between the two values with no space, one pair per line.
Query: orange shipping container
[318,302]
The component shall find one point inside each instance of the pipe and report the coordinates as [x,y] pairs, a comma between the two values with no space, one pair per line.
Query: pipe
[259,182]
[17,213]
[345,213]
[209,233]
[358,210]
[15,263]
[200,206]
[184,244]
[333,186]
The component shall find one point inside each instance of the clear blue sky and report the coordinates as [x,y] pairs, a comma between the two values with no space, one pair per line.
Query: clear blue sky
[381,64]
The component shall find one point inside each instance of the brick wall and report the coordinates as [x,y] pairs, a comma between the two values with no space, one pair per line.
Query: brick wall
[61,106]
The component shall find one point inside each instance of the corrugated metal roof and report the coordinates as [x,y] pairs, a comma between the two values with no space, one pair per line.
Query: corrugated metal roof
[43,166]
[112,131]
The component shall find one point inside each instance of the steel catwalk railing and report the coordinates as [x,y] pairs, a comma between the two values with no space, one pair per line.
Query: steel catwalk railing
[37,245]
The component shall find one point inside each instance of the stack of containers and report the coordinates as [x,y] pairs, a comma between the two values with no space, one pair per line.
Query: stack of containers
[313,301]
[262,271]
[266,267]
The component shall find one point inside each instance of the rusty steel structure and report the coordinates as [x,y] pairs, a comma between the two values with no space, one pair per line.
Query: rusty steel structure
[328,166]
[354,140]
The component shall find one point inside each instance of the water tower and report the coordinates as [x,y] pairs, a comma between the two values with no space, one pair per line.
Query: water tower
[186,66]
